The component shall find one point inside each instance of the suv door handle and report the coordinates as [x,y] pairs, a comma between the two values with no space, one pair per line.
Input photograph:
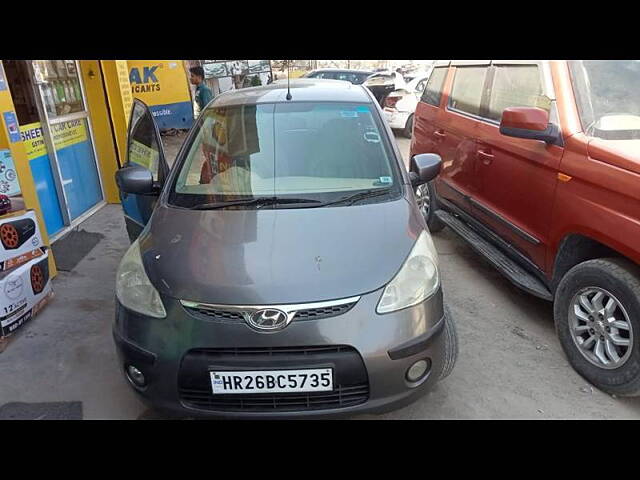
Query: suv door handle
[487,157]
[439,133]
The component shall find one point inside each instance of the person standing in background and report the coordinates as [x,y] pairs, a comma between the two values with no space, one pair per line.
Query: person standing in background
[203,96]
[203,93]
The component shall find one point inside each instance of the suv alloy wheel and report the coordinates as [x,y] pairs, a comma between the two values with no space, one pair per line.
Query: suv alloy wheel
[597,317]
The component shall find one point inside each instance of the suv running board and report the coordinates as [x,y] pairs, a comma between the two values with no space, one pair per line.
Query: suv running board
[510,269]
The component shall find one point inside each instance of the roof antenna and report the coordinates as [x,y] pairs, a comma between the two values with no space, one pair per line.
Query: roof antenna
[288,79]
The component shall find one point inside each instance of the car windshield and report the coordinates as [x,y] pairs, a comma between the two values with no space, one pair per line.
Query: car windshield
[320,152]
[607,98]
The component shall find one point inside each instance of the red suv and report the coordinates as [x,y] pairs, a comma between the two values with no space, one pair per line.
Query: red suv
[541,175]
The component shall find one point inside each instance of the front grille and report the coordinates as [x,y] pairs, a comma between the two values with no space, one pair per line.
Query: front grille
[351,383]
[324,312]
[340,397]
[271,351]
[317,313]
[218,314]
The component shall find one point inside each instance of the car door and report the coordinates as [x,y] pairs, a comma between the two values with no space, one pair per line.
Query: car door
[144,148]
[517,177]
[425,122]
[456,132]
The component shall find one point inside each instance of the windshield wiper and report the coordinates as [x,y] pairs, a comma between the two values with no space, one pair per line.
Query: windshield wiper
[258,202]
[351,199]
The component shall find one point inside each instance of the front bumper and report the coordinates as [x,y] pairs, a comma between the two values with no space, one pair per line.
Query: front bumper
[176,354]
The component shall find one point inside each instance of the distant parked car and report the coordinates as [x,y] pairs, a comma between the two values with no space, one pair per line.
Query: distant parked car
[356,77]
[383,83]
[400,105]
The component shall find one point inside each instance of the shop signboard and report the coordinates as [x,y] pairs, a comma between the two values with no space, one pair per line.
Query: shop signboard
[163,85]
[125,87]
[9,184]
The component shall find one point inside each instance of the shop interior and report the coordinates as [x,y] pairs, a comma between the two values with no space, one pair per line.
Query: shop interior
[54,128]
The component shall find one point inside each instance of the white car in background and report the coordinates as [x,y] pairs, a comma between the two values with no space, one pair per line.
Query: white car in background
[400,105]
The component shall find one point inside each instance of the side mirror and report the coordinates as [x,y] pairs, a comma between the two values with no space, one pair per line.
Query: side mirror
[135,179]
[528,122]
[424,168]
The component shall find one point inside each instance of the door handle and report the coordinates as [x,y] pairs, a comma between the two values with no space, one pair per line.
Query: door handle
[487,157]
[439,133]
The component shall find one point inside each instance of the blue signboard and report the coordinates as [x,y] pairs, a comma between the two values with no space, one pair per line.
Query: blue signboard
[173,115]
[12,126]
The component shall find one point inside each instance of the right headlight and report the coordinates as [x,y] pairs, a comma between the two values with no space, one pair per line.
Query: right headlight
[134,289]
[416,281]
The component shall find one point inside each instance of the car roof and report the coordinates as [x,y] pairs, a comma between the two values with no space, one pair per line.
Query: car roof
[302,90]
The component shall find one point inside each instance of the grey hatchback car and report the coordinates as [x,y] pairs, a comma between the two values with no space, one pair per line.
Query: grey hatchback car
[281,266]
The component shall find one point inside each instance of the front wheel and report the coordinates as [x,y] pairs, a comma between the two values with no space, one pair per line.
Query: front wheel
[426,199]
[597,318]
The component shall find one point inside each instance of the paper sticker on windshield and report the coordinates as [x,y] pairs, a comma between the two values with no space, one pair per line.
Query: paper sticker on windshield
[349,113]
[372,137]
[385,180]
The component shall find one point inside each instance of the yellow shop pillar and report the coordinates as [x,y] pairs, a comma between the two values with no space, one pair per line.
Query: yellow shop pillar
[10,140]
[104,130]
[118,89]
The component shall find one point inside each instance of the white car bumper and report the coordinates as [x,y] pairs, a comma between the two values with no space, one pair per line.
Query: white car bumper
[395,118]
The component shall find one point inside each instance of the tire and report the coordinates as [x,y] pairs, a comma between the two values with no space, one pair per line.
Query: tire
[408,128]
[450,344]
[433,222]
[613,278]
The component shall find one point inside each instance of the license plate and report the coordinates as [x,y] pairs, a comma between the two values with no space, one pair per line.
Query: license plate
[272,381]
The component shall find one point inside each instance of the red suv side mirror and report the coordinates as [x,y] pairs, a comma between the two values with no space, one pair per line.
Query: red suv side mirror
[529,122]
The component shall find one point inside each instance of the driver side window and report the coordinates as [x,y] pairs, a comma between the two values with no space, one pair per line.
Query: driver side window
[516,86]
[143,148]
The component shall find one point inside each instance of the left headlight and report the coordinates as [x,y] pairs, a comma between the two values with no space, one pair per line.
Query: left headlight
[416,281]
[133,287]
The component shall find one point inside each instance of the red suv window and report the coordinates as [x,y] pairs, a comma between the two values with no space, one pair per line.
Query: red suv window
[515,86]
[468,85]
[433,91]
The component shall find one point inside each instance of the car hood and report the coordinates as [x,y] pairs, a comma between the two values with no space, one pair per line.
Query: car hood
[621,153]
[277,256]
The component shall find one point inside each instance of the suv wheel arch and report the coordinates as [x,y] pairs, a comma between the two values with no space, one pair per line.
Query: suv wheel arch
[576,248]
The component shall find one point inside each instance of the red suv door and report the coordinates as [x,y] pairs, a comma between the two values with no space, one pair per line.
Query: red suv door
[458,129]
[451,129]
[516,177]
[424,138]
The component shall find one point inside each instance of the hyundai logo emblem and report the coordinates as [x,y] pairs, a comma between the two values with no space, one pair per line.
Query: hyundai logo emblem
[268,319]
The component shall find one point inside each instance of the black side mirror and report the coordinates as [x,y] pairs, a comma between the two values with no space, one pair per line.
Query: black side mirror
[135,179]
[424,168]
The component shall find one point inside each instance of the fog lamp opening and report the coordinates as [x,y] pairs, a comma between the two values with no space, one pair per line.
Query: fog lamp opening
[418,370]
[136,376]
